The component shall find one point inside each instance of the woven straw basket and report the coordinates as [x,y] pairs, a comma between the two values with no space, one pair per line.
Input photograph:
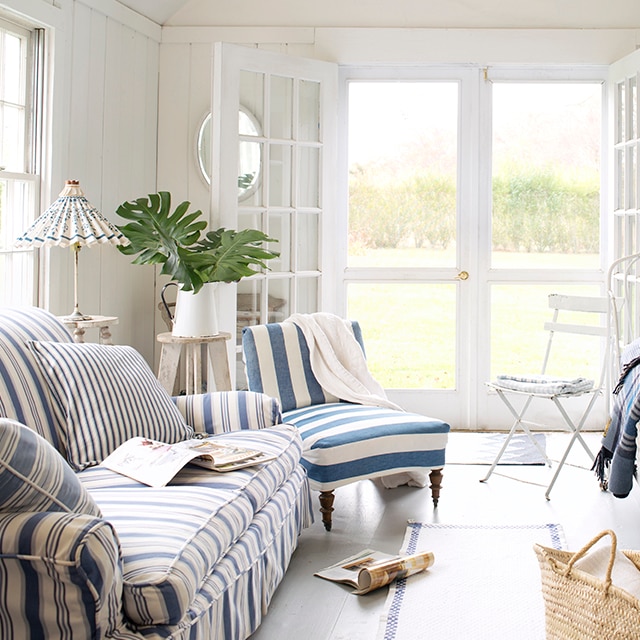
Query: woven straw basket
[579,606]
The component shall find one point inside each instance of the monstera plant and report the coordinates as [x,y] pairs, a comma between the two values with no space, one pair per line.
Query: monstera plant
[175,240]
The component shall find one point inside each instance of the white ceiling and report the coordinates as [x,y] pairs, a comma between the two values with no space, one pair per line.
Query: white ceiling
[157,10]
[549,14]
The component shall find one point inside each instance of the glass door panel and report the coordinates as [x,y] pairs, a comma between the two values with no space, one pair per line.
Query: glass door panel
[403,141]
[281,108]
[308,116]
[546,174]
[402,234]
[280,175]
[623,80]
[409,332]
[518,337]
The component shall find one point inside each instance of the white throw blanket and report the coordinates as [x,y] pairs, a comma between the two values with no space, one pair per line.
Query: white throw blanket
[337,360]
[339,365]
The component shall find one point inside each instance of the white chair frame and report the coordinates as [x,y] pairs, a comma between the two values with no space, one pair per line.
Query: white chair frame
[601,305]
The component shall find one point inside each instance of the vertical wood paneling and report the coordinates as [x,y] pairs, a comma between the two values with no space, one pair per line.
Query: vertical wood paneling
[173,120]
[111,148]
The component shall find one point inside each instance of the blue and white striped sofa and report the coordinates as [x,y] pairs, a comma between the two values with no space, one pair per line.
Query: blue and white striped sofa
[343,442]
[88,553]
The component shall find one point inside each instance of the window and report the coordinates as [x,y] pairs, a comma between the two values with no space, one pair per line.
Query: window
[21,55]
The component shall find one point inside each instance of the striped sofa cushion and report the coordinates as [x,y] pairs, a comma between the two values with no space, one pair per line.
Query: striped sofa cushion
[34,476]
[108,394]
[178,533]
[277,363]
[223,411]
[24,392]
[345,442]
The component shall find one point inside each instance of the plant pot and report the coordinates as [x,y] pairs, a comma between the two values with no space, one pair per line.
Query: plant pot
[196,316]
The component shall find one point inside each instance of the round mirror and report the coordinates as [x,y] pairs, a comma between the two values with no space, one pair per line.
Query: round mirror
[249,153]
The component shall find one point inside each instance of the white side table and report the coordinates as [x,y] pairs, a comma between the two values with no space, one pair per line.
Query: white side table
[217,362]
[103,323]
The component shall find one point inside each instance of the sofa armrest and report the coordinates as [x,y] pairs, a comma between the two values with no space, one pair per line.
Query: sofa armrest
[64,576]
[224,411]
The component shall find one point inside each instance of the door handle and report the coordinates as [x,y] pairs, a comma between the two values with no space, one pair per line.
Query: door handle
[463,275]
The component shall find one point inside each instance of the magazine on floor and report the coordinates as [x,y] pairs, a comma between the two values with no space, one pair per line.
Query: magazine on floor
[155,463]
[369,569]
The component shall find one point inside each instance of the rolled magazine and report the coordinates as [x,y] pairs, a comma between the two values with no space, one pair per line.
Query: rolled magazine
[369,570]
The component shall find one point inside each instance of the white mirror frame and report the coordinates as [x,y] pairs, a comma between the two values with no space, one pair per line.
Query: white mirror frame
[248,126]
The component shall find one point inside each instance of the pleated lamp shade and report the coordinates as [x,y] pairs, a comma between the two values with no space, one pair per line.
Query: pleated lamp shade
[71,221]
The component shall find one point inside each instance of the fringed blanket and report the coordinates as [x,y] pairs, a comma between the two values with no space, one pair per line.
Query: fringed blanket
[617,457]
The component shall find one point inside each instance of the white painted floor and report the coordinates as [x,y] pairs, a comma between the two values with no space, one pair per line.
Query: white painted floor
[366,515]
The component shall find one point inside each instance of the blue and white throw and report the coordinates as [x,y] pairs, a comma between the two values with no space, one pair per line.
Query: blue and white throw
[617,457]
[544,384]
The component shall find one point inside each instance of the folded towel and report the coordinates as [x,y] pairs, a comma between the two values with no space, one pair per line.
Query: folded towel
[548,385]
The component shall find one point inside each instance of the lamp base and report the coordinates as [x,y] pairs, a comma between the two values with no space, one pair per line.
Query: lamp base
[76,316]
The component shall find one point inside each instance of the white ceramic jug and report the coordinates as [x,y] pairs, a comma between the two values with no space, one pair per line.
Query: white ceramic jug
[195,315]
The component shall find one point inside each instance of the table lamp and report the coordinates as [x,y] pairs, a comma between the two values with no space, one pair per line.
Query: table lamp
[71,221]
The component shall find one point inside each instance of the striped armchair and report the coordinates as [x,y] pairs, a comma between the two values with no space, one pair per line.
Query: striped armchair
[343,442]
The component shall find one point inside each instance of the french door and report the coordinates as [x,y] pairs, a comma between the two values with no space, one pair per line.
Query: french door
[473,194]
[274,169]
[624,101]
[430,249]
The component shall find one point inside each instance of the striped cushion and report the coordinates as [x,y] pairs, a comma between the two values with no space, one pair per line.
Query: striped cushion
[347,442]
[108,394]
[178,533]
[24,393]
[35,477]
[223,411]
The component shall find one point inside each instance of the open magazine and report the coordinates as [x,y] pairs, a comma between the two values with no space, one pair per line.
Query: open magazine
[155,463]
[369,569]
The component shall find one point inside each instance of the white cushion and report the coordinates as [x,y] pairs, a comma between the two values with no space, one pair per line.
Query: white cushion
[107,394]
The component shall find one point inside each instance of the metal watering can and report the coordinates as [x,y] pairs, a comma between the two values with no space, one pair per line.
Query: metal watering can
[195,315]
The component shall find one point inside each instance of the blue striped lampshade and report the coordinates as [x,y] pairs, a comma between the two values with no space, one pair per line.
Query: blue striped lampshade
[71,220]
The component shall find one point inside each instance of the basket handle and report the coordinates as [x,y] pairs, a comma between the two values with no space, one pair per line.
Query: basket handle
[579,554]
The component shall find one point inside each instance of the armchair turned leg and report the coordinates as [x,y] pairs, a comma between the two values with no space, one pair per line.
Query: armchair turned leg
[326,508]
[436,484]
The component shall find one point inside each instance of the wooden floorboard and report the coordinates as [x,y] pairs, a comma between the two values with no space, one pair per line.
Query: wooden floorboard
[367,515]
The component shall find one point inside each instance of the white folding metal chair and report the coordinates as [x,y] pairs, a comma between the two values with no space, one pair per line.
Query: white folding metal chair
[518,392]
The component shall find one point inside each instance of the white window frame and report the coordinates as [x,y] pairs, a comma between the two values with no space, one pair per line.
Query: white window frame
[21,192]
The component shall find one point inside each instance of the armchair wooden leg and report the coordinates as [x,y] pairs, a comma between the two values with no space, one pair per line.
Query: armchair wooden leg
[326,508]
[436,483]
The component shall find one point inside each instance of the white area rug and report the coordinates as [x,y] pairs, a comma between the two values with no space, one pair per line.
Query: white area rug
[484,584]
[482,448]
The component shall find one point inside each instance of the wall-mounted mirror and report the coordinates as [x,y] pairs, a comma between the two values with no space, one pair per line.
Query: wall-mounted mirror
[250,153]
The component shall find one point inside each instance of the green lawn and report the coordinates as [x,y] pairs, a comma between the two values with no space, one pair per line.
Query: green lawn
[409,329]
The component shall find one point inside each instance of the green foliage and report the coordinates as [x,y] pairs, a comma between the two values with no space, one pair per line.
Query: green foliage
[173,240]
[533,211]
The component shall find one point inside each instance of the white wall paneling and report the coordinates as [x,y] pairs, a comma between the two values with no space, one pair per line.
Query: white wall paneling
[103,131]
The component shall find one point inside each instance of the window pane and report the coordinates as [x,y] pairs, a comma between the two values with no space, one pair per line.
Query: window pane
[546,174]
[17,268]
[19,195]
[281,107]
[279,175]
[309,111]
[404,352]
[402,173]
[308,177]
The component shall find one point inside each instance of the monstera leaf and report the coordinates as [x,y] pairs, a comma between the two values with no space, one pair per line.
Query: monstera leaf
[173,239]
[237,253]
